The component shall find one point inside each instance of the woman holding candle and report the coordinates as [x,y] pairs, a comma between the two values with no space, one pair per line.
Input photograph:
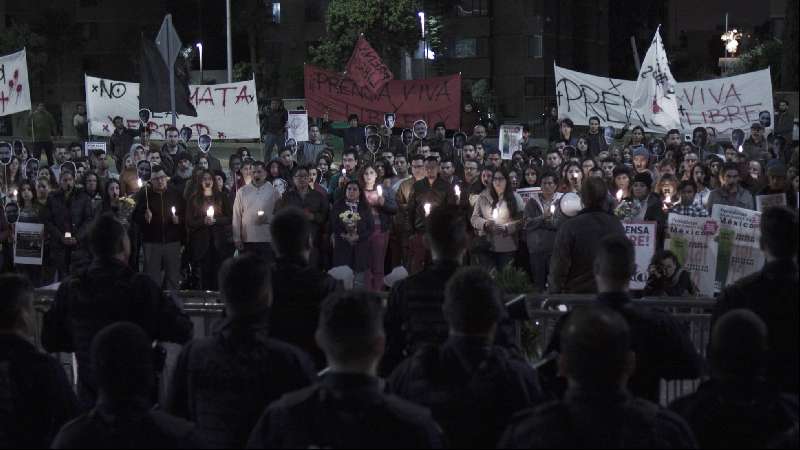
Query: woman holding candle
[351,228]
[208,219]
[383,207]
[498,216]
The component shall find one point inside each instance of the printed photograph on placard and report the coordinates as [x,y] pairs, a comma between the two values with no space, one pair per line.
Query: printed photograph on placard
[510,137]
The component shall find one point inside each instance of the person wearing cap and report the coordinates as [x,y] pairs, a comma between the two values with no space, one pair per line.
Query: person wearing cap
[183,172]
[776,183]
[730,192]
[756,144]
[161,230]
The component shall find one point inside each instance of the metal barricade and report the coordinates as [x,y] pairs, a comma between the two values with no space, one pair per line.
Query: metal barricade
[693,313]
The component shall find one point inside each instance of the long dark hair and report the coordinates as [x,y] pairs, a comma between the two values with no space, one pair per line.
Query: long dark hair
[20,200]
[508,194]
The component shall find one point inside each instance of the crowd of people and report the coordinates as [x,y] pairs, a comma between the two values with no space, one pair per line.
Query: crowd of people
[368,203]
[311,365]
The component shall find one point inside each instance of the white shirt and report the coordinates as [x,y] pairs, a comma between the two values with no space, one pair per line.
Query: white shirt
[249,201]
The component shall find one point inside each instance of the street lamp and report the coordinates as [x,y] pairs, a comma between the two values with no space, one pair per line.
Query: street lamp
[200,47]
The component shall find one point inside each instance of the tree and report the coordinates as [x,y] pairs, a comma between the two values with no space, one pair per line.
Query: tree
[390,26]
[19,36]
[789,78]
[763,55]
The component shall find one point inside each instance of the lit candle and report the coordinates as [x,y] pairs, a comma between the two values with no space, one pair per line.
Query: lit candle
[260,213]
[668,199]
[139,183]
[67,235]
[495,214]
[427,208]
[210,212]
[619,195]
[380,190]
[174,211]
[14,194]
[741,149]
[344,172]
[457,190]
[552,209]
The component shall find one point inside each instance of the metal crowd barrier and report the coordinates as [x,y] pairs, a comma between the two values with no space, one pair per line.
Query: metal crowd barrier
[543,311]
[693,313]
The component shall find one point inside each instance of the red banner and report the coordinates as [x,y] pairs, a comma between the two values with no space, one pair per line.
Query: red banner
[432,100]
[366,68]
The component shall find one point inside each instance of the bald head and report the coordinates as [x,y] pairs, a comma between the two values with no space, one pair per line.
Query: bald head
[595,348]
[738,345]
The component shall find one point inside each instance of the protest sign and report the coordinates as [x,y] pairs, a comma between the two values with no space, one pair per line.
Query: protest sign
[690,239]
[15,91]
[432,100]
[29,243]
[224,111]
[724,104]
[527,194]
[297,126]
[510,137]
[737,247]
[366,69]
[643,237]
[94,147]
[766,201]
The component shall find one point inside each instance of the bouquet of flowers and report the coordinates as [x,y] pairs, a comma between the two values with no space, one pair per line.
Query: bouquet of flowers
[626,210]
[350,219]
[125,208]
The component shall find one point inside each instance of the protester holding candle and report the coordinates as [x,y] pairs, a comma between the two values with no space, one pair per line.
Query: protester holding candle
[498,217]
[541,227]
[208,219]
[161,231]
[382,207]
[67,218]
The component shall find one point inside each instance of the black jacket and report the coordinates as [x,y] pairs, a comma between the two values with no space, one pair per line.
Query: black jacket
[108,292]
[472,388]
[772,294]
[345,411]
[161,229]
[296,303]
[202,236]
[132,425]
[414,315]
[598,420]
[663,348]
[223,383]
[440,193]
[119,145]
[730,415]
[577,240]
[73,215]
[35,397]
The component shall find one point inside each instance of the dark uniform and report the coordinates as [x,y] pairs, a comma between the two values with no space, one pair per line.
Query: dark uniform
[135,426]
[107,292]
[223,383]
[296,301]
[663,349]
[747,415]
[345,411]
[471,388]
[414,315]
[35,397]
[772,295]
[598,420]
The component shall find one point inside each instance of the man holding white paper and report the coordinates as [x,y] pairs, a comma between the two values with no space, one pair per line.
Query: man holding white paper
[252,214]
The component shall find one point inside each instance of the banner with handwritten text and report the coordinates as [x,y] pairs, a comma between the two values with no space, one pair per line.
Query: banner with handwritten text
[15,91]
[723,103]
[224,111]
[432,100]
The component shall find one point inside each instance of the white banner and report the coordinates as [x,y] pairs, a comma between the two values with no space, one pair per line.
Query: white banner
[643,237]
[28,243]
[15,91]
[737,248]
[224,111]
[690,239]
[723,104]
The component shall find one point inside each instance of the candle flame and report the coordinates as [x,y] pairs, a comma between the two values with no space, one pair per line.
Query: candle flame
[457,190]
[427,208]
[380,190]
[210,212]
[174,211]
[495,214]
[619,195]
